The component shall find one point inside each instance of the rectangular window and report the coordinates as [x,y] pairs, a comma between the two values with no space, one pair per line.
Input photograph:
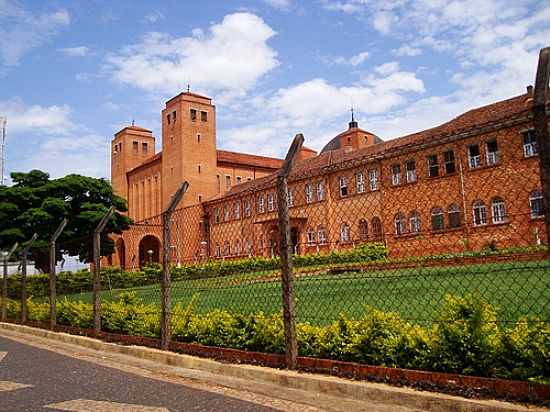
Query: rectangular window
[168,117]
[433,166]
[261,204]
[238,179]
[237,210]
[217,215]
[493,155]
[529,143]
[135,147]
[247,208]
[290,198]
[198,137]
[204,116]
[396,174]
[174,116]
[536,204]
[360,182]
[474,158]
[144,147]
[226,213]
[320,191]
[410,167]
[309,193]
[228,182]
[373,179]
[219,183]
[270,202]
[449,157]
[343,186]
[499,211]
[193,115]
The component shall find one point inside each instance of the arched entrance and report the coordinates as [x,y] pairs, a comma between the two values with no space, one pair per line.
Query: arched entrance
[149,250]
[121,252]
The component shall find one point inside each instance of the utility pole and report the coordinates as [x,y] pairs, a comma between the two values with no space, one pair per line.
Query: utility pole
[3,135]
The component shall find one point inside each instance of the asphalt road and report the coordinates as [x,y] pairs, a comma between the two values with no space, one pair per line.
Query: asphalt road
[33,379]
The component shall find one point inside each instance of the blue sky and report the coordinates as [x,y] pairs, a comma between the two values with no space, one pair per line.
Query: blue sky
[74,72]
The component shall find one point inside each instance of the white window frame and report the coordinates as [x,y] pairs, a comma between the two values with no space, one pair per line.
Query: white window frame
[493,158]
[479,211]
[440,214]
[452,210]
[309,193]
[343,184]
[400,224]
[535,197]
[373,179]
[270,202]
[498,210]
[414,222]
[310,236]
[360,182]
[217,215]
[396,174]
[290,197]
[261,204]
[237,210]
[345,233]
[320,190]
[530,148]
[247,208]
[474,161]
[410,173]
[322,235]
[226,213]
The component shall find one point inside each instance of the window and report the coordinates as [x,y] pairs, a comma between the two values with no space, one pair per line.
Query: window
[217,215]
[363,230]
[239,179]
[290,197]
[135,147]
[270,202]
[228,182]
[193,115]
[396,174]
[480,213]
[237,250]
[492,153]
[474,158]
[226,248]
[410,168]
[174,116]
[433,166]
[219,183]
[449,157]
[168,118]
[414,222]
[199,168]
[400,224]
[261,204]
[499,210]
[218,250]
[453,214]
[320,191]
[198,137]
[360,182]
[343,186]
[309,193]
[237,210]
[310,235]
[226,213]
[438,222]
[249,247]
[345,234]
[536,204]
[373,179]
[322,235]
[204,116]
[376,226]
[529,143]
[247,208]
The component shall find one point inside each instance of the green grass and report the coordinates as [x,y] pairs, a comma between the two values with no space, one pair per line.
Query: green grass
[516,289]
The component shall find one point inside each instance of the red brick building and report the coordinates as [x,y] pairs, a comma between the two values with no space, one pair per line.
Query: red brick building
[470,183]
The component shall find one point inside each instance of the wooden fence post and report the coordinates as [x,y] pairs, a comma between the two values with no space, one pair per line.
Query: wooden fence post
[287,275]
[540,120]
[6,256]
[97,269]
[166,312]
[24,253]
[53,261]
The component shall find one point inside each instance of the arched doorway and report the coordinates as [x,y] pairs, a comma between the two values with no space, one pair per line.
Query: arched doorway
[121,252]
[273,246]
[149,250]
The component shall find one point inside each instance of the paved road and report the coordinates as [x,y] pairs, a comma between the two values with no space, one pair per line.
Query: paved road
[33,379]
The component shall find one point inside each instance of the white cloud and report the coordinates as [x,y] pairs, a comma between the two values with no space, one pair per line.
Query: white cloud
[35,118]
[355,60]
[21,31]
[78,51]
[278,4]
[228,58]
[387,68]
[382,21]
[153,17]
[407,50]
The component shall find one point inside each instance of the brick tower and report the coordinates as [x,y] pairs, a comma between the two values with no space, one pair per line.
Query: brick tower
[189,148]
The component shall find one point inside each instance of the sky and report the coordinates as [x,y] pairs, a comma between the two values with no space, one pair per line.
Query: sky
[72,73]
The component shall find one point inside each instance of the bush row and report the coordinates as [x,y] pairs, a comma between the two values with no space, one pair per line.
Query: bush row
[114,278]
[465,338]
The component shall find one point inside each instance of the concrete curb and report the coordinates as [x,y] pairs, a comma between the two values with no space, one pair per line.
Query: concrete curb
[326,385]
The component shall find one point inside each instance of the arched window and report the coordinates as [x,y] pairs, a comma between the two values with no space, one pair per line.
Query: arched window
[237,210]
[400,224]
[261,204]
[310,233]
[226,213]
[237,250]
[453,213]
[363,229]
[414,222]
[438,222]
[499,210]
[376,226]
[226,248]
[249,247]
[322,235]
[345,234]
[535,204]
[218,250]
[480,213]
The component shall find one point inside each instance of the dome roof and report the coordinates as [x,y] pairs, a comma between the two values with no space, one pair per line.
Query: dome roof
[336,143]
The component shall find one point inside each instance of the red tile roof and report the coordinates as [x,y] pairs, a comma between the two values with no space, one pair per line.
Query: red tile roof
[244,159]
[146,162]
[515,107]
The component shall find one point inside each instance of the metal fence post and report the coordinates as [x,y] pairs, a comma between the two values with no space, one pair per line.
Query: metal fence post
[166,312]
[291,345]
[24,253]
[97,269]
[53,261]
[6,256]
[541,131]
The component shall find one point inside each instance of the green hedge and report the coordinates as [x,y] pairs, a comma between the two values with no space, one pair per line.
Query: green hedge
[465,338]
[114,278]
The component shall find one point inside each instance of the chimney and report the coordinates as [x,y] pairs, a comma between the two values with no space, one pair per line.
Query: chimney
[530,90]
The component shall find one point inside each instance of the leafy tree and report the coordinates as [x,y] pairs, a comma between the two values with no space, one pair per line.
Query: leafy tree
[36,203]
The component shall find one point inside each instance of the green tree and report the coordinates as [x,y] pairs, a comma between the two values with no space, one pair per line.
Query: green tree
[36,203]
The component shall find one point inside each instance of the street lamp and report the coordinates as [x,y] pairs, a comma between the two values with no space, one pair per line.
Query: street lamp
[150,253]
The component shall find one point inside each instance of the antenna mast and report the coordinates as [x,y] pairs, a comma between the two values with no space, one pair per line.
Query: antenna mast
[3,122]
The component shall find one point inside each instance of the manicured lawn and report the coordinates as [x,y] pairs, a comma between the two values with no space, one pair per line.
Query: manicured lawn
[516,289]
